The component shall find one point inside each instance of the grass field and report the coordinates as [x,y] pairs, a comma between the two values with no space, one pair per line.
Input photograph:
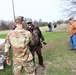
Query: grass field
[59,60]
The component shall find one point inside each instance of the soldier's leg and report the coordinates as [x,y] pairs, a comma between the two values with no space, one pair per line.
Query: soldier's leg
[17,69]
[29,68]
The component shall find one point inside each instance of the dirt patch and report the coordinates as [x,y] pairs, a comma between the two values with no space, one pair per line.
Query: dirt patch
[42,71]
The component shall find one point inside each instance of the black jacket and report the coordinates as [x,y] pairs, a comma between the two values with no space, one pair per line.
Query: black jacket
[41,38]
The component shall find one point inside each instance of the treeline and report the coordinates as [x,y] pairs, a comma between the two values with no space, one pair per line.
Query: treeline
[8,25]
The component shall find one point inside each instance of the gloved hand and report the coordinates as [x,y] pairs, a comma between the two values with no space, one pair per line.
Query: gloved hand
[44,42]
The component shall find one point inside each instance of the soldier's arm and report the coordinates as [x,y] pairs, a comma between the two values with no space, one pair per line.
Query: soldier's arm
[7,47]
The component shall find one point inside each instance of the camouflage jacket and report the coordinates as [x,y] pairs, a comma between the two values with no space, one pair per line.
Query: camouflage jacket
[19,40]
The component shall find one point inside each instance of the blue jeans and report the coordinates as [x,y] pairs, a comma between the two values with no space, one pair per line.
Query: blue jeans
[73,42]
[50,29]
[55,29]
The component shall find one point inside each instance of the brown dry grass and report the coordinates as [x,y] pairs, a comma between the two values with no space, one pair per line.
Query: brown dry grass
[62,27]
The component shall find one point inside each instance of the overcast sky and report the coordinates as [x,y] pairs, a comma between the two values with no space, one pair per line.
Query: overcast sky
[47,10]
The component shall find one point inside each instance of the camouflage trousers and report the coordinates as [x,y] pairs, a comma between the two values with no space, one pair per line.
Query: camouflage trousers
[28,67]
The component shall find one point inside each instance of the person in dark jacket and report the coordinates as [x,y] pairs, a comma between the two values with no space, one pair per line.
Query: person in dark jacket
[55,27]
[37,47]
[50,27]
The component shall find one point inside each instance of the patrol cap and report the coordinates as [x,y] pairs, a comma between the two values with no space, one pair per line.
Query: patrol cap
[21,18]
[28,20]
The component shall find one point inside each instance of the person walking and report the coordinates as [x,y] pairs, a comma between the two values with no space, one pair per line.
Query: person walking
[37,37]
[72,33]
[19,39]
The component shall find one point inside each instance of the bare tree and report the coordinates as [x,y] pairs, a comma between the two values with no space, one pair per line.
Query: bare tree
[36,23]
[69,7]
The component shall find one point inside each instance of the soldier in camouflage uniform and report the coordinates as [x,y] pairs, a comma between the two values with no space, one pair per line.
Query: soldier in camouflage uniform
[19,39]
